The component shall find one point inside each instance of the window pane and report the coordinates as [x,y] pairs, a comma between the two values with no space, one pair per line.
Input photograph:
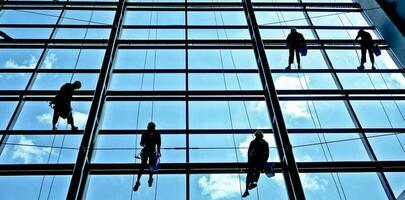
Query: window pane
[145,59]
[231,59]
[123,115]
[6,110]
[38,116]
[28,187]
[215,115]
[120,187]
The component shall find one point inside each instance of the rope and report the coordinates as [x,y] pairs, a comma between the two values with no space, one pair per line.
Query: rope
[47,162]
[153,96]
[309,108]
[240,89]
[139,103]
[207,148]
[228,105]
[380,101]
[57,162]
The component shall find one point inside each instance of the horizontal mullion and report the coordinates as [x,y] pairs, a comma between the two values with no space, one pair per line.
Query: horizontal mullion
[160,41]
[259,4]
[359,92]
[57,7]
[205,71]
[201,168]
[240,167]
[215,98]
[94,26]
[207,131]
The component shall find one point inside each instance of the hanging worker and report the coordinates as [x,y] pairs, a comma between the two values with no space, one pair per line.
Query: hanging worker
[61,104]
[366,44]
[5,36]
[295,41]
[150,141]
[258,154]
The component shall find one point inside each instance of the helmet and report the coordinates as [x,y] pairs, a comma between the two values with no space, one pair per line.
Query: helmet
[151,124]
[293,29]
[77,84]
[259,134]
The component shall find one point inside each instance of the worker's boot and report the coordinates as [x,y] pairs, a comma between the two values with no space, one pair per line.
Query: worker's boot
[150,181]
[136,186]
[245,194]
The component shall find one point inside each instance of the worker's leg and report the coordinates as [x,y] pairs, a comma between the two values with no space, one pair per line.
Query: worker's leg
[55,119]
[363,58]
[371,55]
[290,57]
[248,181]
[297,54]
[144,164]
[71,121]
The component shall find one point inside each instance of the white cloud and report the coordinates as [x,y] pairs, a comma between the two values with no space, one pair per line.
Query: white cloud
[80,119]
[296,109]
[49,61]
[291,83]
[257,106]
[293,109]
[30,154]
[221,186]
[32,62]
[313,182]
[398,79]
[27,64]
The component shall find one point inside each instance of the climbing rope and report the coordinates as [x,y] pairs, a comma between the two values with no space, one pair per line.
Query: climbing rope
[139,102]
[386,85]
[228,104]
[312,115]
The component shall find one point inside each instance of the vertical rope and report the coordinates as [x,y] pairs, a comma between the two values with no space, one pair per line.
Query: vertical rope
[139,102]
[228,105]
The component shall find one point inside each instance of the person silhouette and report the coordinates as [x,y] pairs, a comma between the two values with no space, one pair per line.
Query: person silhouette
[61,104]
[150,141]
[366,44]
[295,41]
[258,153]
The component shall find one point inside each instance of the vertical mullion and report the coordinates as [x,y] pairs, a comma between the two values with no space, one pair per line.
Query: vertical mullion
[352,114]
[290,169]
[81,170]
[187,107]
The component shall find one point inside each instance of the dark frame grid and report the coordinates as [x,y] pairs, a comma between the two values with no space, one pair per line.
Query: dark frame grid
[288,166]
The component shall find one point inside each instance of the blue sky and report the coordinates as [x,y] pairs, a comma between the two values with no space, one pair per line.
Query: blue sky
[203,115]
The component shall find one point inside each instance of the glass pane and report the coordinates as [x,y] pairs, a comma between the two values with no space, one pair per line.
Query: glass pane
[6,110]
[12,186]
[123,115]
[120,187]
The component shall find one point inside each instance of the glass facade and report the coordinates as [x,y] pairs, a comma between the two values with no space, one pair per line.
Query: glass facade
[208,73]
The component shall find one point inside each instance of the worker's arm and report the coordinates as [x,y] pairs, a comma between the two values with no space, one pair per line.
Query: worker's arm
[266,152]
[357,37]
[142,140]
[288,41]
[159,142]
[250,150]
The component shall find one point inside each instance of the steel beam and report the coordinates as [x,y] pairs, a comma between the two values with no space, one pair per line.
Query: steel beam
[79,177]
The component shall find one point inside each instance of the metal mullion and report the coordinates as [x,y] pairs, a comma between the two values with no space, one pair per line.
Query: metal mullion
[298,131]
[94,26]
[355,119]
[290,172]
[79,179]
[187,110]
[28,87]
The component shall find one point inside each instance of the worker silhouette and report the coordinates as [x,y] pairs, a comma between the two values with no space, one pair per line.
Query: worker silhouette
[150,141]
[5,36]
[366,44]
[295,41]
[258,154]
[61,104]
